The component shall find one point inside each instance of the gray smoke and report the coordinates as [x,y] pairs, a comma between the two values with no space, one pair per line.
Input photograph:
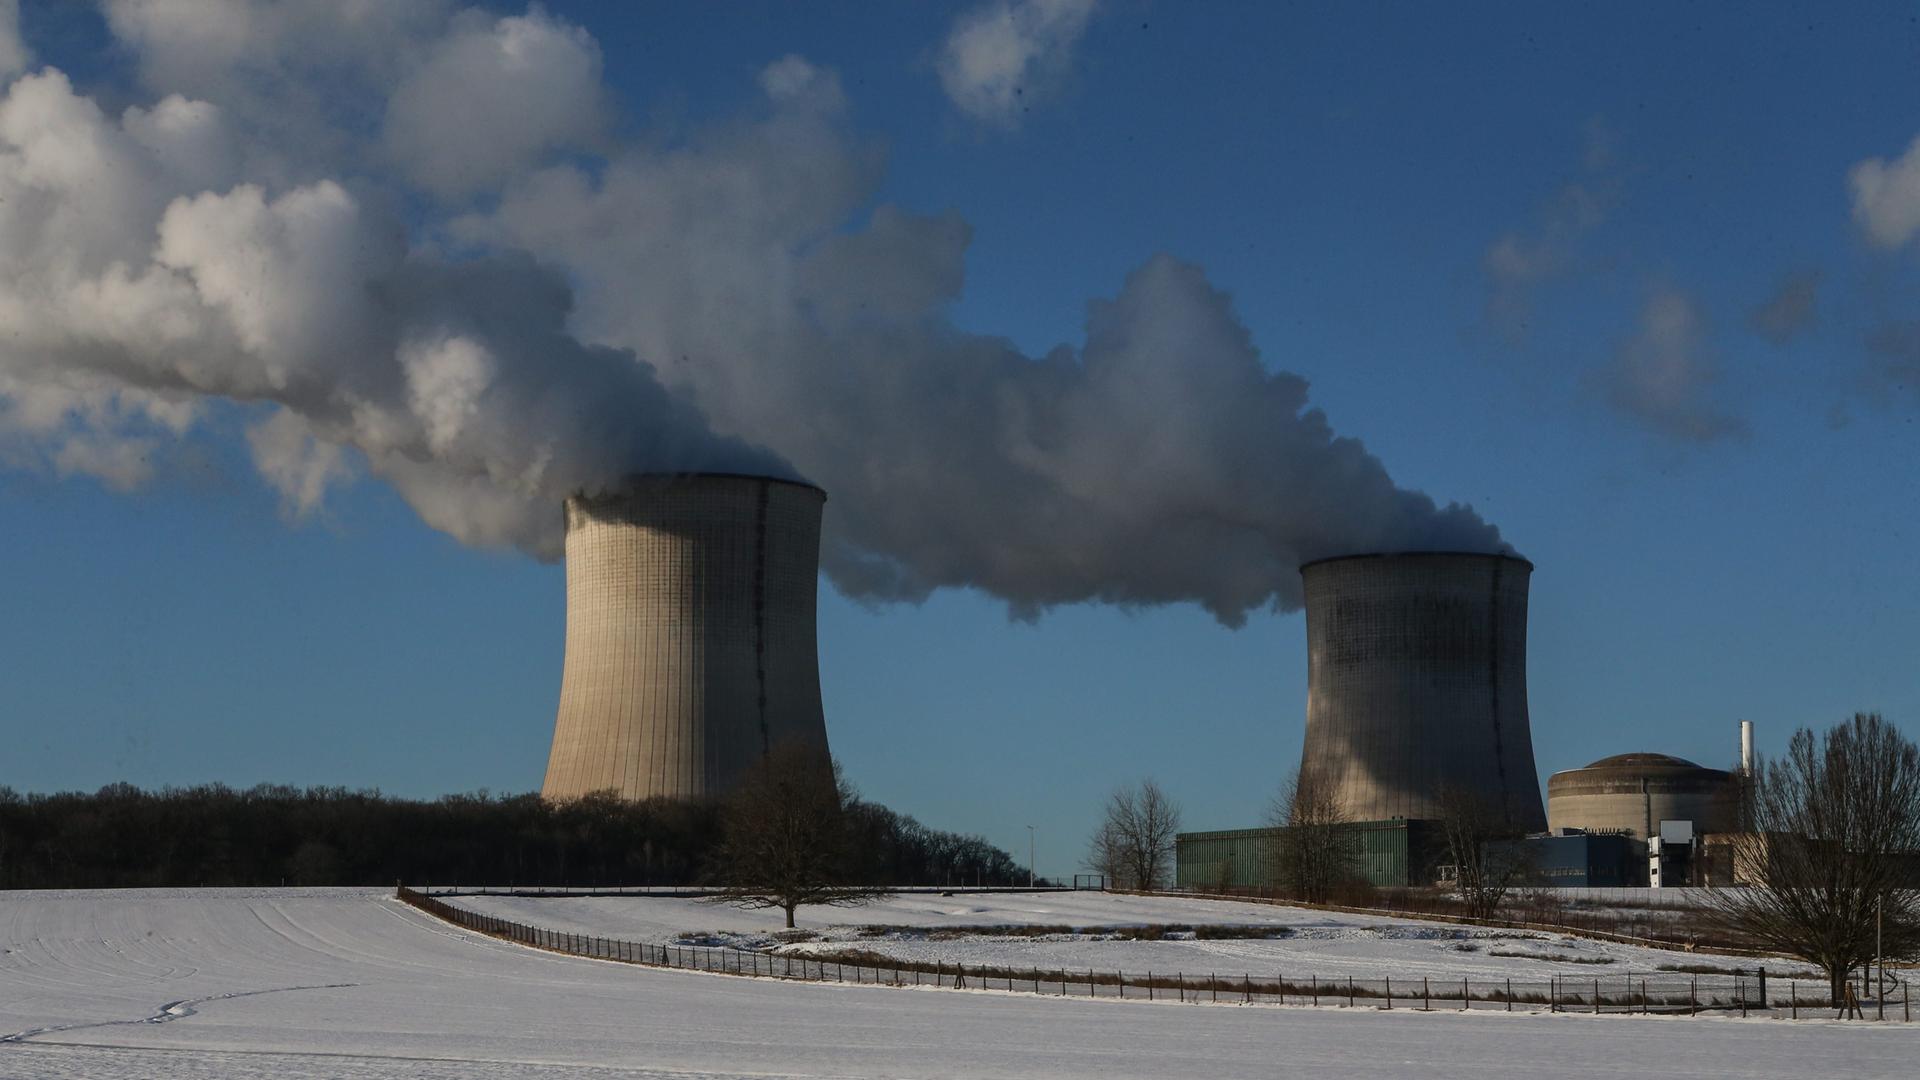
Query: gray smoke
[489,305]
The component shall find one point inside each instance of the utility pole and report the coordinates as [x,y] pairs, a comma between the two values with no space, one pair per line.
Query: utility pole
[1030,857]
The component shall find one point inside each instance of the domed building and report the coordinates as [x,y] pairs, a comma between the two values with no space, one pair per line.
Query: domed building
[1632,794]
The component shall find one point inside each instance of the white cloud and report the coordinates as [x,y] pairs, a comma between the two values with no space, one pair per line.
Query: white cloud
[491,100]
[1007,55]
[670,305]
[1664,376]
[1886,197]
[296,463]
[1521,260]
[14,56]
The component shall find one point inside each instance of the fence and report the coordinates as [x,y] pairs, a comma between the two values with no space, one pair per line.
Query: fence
[537,890]
[1632,993]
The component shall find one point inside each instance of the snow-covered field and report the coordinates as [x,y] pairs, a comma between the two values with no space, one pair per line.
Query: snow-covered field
[930,927]
[348,983]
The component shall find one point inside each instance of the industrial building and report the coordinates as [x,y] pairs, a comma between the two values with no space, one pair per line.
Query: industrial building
[1386,854]
[690,648]
[1631,794]
[1417,684]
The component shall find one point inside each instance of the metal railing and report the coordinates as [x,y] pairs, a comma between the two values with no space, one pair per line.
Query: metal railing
[1617,994]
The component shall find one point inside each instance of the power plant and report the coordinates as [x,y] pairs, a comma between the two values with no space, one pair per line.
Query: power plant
[1631,794]
[1417,684]
[690,648]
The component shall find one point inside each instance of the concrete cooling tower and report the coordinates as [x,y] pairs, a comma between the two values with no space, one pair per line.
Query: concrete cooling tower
[1417,683]
[690,634]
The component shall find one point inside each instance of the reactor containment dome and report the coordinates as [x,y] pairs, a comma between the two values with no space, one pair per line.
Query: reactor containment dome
[690,634]
[1417,685]
[1634,793]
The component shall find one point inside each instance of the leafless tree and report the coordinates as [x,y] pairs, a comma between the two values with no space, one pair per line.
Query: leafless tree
[1314,848]
[1485,849]
[785,839]
[1835,828]
[1133,844]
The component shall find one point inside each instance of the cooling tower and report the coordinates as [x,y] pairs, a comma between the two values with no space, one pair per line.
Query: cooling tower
[1417,683]
[690,634]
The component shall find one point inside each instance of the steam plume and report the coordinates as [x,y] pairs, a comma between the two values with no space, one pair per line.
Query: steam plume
[488,319]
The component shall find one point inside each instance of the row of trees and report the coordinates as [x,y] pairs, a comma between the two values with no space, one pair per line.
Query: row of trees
[122,836]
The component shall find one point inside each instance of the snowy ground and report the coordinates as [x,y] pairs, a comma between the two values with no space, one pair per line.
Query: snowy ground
[348,983]
[930,927]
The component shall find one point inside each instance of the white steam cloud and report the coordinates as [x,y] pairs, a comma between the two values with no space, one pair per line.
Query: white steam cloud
[1005,56]
[1886,197]
[568,309]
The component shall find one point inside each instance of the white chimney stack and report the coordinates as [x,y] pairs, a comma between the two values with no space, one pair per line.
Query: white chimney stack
[1746,748]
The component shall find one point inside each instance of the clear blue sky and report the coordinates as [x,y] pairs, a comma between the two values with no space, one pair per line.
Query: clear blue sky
[1600,273]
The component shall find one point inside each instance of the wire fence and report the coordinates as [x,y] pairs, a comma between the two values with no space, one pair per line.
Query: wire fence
[1650,993]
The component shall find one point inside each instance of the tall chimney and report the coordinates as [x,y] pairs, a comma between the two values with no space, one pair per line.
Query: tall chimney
[1746,748]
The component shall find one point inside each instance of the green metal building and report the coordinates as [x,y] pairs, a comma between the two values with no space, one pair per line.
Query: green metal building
[1389,854]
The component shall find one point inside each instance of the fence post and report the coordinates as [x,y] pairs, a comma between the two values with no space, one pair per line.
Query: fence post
[1596,997]
[1693,997]
[1213,982]
[1149,986]
[1247,979]
[1466,996]
[1426,994]
[1509,993]
[1090,987]
[1553,993]
[1315,986]
[1793,988]
[1183,984]
[1740,991]
[1389,992]
[1349,990]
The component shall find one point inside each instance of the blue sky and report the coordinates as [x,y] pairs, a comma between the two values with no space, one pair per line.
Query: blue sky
[1517,251]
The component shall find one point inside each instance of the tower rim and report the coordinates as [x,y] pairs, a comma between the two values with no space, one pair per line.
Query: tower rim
[622,486]
[1418,553]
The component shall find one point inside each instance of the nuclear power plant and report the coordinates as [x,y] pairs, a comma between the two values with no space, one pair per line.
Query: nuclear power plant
[1417,684]
[1417,710]
[690,649]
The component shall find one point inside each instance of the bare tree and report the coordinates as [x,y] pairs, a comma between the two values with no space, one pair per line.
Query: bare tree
[1133,844]
[1314,848]
[1834,828]
[785,836]
[1488,858]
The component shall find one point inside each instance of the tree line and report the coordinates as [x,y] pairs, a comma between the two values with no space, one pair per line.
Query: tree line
[213,835]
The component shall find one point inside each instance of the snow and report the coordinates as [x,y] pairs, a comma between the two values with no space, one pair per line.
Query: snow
[1320,943]
[349,983]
